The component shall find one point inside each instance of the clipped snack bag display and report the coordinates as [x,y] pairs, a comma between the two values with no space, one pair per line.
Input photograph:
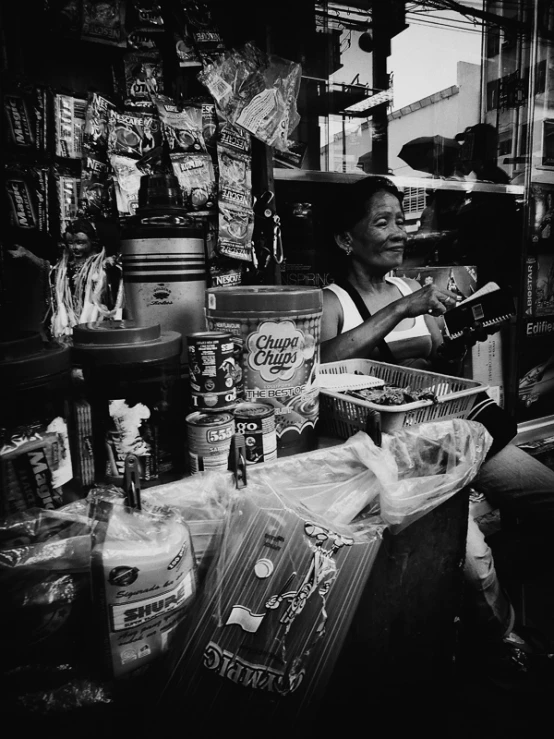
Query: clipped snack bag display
[143,582]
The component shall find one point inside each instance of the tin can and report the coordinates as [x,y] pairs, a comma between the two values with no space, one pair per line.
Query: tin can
[212,369]
[209,440]
[256,421]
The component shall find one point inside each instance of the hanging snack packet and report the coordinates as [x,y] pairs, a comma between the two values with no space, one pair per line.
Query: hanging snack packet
[126,183]
[257,91]
[235,177]
[204,31]
[143,72]
[143,582]
[95,133]
[236,227]
[103,22]
[96,194]
[27,189]
[69,125]
[35,463]
[236,216]
[144,24]
[182,126]
[224,272]
[133,134]
[68,187]
[26,118]
[196,176]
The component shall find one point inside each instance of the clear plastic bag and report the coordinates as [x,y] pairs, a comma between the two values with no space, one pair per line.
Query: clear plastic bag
[279,599]
[433,462]
[257,91]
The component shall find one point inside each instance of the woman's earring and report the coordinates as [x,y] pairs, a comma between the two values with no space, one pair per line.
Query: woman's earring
[348,250]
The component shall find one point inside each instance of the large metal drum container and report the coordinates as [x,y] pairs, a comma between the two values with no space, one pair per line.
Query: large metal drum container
[164,275]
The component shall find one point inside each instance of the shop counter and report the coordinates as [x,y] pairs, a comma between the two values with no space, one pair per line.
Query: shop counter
[402,638]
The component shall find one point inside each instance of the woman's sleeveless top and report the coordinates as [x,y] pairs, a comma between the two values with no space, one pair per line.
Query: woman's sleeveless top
[416,339]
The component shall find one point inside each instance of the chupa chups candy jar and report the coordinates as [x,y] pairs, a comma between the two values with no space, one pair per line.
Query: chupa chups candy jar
[277,330]
[131,401]
[35,414]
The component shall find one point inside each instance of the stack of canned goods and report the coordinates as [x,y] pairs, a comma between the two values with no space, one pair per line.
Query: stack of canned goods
[214,371]
[218,411]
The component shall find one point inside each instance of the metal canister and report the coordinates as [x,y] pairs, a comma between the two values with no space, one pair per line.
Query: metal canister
[212,369]
[256,421]
[209,438]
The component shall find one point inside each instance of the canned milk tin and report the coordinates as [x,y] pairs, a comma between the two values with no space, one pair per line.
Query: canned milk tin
[256,421]
[213,369]
[209,440]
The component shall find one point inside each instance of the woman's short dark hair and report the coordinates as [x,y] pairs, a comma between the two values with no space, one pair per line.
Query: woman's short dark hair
[354,199]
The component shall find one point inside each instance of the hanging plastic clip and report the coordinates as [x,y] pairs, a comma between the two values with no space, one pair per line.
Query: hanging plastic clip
[239,460]
[277,240]
[263,205]
[131,482]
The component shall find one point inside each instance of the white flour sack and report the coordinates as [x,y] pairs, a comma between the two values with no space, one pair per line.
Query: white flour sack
[143,581]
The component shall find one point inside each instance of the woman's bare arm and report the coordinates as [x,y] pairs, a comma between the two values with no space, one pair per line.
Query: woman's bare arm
[363,339]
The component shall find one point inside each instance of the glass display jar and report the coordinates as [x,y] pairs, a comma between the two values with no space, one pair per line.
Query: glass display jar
[35,419]
[130,401]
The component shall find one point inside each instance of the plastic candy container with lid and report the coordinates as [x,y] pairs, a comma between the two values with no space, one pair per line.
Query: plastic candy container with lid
[131,401]
[277,329]
[35,459]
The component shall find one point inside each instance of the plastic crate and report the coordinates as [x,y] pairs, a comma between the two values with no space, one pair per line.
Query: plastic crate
[343,416]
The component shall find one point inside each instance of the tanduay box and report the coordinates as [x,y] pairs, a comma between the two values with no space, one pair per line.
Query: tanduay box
[143,580]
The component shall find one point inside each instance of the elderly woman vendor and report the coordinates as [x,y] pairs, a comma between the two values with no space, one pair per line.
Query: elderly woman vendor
[399,324]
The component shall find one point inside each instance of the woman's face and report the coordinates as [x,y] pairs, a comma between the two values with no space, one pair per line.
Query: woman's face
[79,245]
[379,239]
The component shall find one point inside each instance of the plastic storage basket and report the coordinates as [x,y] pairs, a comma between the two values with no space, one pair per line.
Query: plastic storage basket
[343,416]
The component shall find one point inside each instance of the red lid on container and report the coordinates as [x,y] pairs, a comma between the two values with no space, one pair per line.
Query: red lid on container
[123,342]
[264,298]
[25,357]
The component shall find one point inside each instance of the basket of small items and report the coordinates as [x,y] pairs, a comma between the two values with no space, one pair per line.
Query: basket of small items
[354,389]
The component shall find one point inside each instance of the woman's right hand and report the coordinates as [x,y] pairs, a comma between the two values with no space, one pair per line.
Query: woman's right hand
[429,299]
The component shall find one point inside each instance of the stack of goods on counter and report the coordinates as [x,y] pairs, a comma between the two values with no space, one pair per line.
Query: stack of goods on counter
[216,392]
[253,373]
[92,596]
[276,332]
[297,546]
[35,461]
